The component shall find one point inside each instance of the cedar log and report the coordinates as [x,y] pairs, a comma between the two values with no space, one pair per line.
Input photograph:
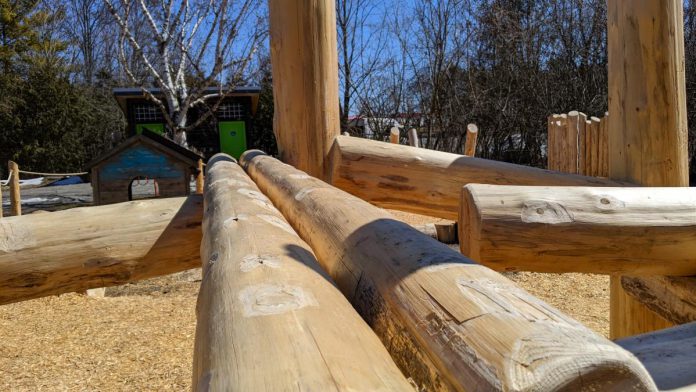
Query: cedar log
[641,231]
[429,182]
[269,319]
[668,355]
[648,121]
[671,297]
[449,323]
[90,247]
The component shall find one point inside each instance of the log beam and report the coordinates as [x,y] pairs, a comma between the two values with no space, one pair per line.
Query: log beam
[90,247]
[449,323]
[648,121]
[305,81]
[269,319]
[641,231]
[429,182]
[672,298]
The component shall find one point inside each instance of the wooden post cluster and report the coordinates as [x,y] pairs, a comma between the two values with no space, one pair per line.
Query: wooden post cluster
[471,138]
[449,323]
[90,247]
[426,181]
[305,81]
[15,195]
[577,144]
[647,122]
[269,318]
[641,231]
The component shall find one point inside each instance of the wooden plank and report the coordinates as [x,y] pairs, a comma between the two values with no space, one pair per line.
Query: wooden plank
[641,231]
[15,197]
[449,323]
[471,138]
[672,298]
[429,182]
[648,122]
[668,355]
[90,247]
[269,319]
[305,81]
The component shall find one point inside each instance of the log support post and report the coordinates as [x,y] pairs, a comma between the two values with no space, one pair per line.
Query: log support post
[471,138]
[15,196]
[200,177]
[305,81]
[413,138]
[394,135]
[647,126]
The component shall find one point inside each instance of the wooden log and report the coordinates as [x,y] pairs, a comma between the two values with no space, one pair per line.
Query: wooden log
[269,319]
[582,121]
[471,138]
[672,298]
[345,134]
[305,81]
[413,138]
[572,131]
[588,148]
[604,146]
[596,146]
[15,196]
[648,122]
[429,182]
[550,143]
[394,135]
[449,323]
[200,179]
[641,231]
[668,355]
[562,142]
[90,247]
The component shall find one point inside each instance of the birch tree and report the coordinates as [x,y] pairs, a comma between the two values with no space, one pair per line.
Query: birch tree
[192,45]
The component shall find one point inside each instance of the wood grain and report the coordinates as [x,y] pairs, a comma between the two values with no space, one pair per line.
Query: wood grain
[429,182]
[641,231]
[269,319]
[648,117]
[90,247]
[449,323]
[671,297]
[305,81]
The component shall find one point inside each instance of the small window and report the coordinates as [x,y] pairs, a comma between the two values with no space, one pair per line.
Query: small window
[147,112]
[231,111]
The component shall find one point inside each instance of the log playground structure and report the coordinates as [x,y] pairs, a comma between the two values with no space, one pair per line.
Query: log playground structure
[309,285]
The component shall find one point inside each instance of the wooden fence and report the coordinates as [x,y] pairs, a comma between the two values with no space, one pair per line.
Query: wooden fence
[578,144]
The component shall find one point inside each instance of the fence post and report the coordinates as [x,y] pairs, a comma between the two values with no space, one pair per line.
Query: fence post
[15,197]
[471,138]
[571,133]
[394,135]
[413,138]
[200,178]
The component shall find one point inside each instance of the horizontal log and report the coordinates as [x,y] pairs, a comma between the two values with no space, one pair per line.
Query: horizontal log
[449,323]
[269,319]
[90,247]
[426,181]
[672,297]
[638,231]
[668,355]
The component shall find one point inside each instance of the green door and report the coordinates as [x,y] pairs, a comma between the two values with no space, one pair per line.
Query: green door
[157,128]
[232,137]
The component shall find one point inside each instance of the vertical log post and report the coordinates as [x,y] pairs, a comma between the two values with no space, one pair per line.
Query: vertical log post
[471,138]
[394,135]
[305,81]
[582,132]
[647,126]
[550,142]
[571,154]
[596,146]
[562,142]
[200,179]
[413,138]
[15,197]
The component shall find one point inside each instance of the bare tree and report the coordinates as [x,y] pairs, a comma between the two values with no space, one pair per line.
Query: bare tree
[194,45]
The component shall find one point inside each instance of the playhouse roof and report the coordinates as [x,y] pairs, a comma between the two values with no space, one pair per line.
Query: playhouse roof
[159,142]
[122,94]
